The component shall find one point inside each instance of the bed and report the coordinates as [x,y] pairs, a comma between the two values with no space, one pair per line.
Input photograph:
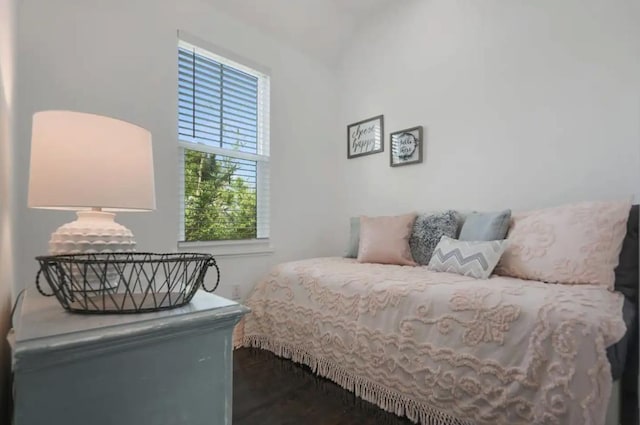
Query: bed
[443,348]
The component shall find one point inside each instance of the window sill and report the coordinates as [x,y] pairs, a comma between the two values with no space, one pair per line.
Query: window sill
[229,248]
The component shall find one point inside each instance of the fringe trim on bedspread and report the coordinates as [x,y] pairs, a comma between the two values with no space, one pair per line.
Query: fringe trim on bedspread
[385,398]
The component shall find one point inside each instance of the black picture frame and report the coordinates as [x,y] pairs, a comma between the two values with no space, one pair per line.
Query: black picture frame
[365,137]
[406,146]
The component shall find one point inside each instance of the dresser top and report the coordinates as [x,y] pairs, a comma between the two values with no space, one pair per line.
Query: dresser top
[44,324]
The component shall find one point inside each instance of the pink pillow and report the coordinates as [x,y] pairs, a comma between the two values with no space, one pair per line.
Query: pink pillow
[386,240]
[575,244]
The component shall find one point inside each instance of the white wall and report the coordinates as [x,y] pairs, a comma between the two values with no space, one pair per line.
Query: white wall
[118,58]
[7,97]
[524,103]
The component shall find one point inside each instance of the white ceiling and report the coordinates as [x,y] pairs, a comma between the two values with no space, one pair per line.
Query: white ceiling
[318,27]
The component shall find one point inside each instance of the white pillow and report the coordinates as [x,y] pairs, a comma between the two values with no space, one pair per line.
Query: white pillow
[469,258]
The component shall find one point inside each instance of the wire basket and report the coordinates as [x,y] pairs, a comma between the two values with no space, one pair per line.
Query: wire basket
[125,282]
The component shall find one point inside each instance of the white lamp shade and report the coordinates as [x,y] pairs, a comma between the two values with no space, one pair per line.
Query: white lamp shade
[83,160]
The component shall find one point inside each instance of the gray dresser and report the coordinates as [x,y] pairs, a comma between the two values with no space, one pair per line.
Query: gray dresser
[166,368]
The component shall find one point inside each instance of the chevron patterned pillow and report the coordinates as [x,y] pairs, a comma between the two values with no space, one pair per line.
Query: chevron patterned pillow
[469,258]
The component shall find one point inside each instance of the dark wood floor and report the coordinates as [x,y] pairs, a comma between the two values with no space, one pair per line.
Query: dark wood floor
[268,390]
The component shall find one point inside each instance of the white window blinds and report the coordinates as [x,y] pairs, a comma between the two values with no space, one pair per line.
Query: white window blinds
[223,133]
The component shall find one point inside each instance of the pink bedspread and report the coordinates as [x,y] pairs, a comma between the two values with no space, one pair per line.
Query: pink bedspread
[443,348]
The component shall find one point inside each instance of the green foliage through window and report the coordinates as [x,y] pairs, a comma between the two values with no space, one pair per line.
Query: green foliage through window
[220,197]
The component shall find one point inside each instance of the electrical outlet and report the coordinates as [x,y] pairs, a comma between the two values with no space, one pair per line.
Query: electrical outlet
[235,292]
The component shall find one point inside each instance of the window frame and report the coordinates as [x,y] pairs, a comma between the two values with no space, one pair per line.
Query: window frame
[262,243]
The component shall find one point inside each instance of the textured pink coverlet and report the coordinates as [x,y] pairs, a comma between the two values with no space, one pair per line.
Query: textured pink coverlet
[443,348]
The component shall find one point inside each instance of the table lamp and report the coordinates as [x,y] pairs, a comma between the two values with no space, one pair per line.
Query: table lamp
[96,166]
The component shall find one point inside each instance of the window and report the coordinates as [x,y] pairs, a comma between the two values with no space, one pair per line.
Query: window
[223,134]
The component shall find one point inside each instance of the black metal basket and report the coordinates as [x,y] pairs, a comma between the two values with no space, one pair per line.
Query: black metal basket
[125,282]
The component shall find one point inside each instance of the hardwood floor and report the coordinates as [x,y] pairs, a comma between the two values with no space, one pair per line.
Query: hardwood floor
[268,390]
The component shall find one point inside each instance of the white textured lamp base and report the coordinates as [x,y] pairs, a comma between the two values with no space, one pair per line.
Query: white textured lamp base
[92,232]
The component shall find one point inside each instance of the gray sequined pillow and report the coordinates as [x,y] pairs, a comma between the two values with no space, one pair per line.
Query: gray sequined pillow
[427,231]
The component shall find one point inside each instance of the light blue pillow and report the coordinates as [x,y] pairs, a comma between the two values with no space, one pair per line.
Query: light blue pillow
[486,226]
[354,238]
[475,259]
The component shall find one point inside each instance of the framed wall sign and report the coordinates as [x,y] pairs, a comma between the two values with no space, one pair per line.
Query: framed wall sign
[365,137]
[406,146]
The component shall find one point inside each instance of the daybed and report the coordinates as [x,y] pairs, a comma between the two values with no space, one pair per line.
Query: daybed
[443,348]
